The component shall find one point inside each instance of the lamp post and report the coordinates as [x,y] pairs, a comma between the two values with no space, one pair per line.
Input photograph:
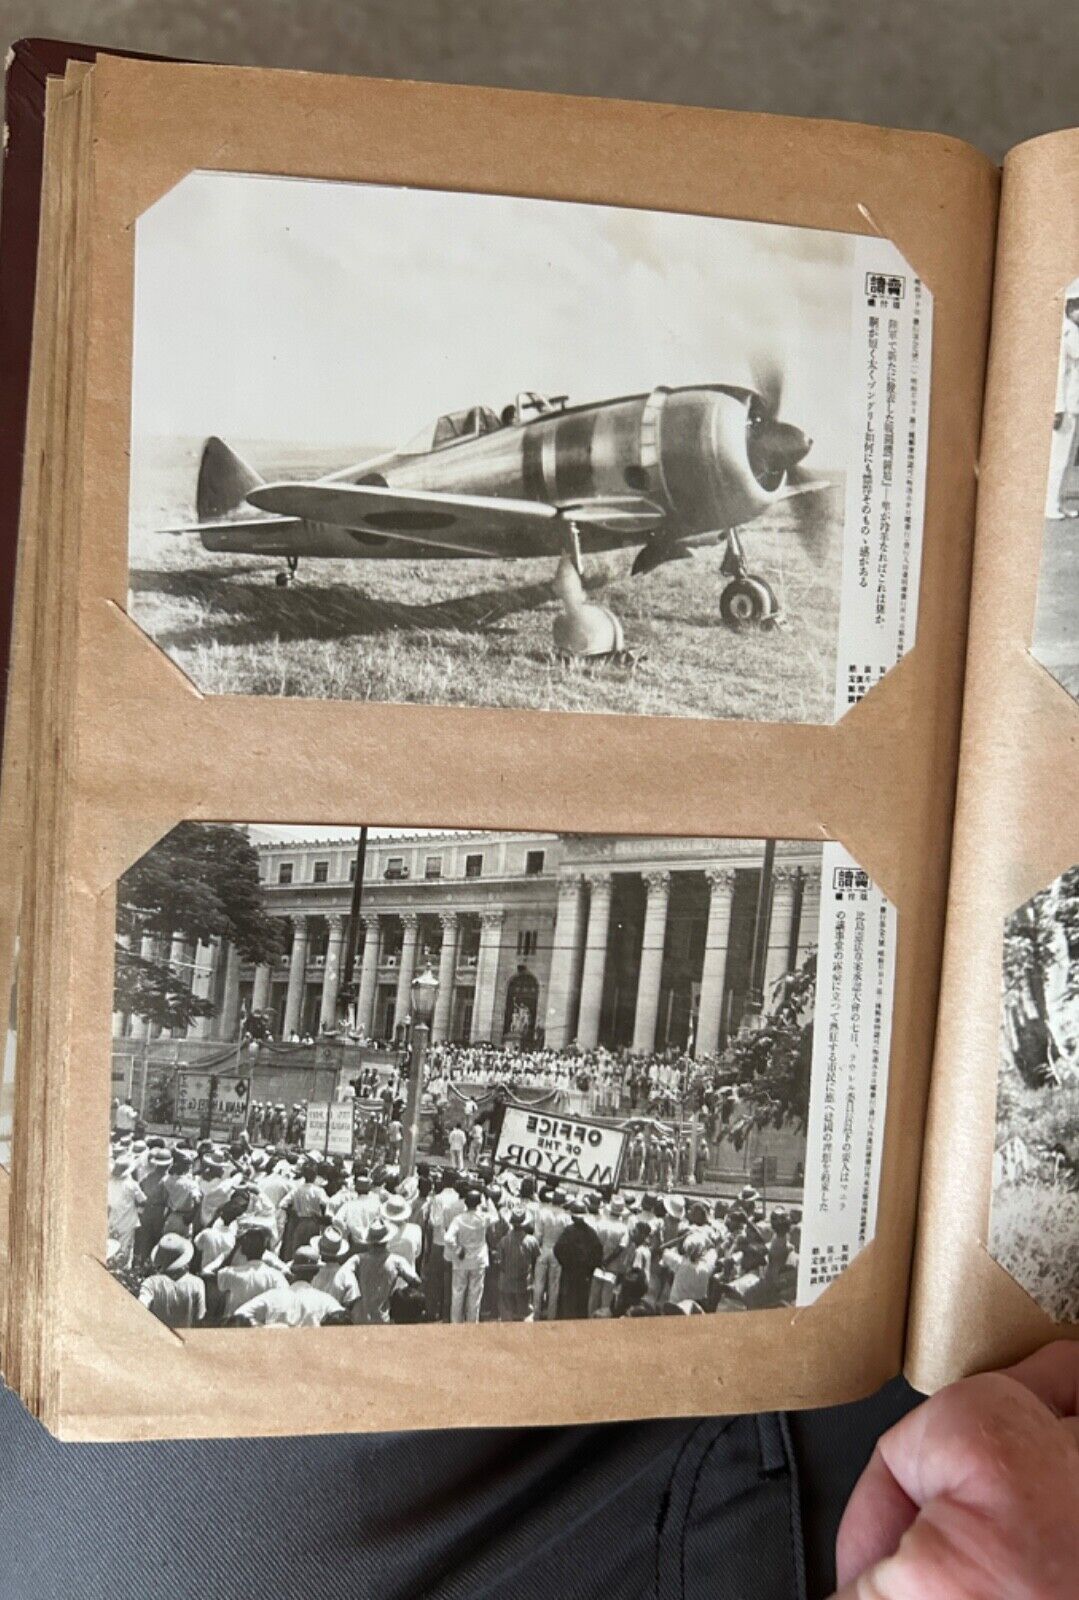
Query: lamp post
[424,990]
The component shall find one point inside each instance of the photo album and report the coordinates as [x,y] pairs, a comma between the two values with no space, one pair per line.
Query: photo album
[539,757]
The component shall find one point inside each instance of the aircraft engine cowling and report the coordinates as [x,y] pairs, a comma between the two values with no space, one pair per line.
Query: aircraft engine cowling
[717,465]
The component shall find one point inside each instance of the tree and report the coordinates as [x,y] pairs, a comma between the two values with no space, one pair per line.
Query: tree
[1041,941]
[198,883]
[771,1065]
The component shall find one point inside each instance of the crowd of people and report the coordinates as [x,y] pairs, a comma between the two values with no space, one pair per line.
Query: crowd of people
[593,1082]
[246,1235]
[589,1081]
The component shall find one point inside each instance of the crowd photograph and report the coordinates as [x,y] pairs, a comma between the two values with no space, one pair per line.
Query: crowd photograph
[254,1237]
[1034,1220]
[604,1117]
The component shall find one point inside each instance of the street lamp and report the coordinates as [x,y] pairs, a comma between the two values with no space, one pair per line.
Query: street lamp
[424,995]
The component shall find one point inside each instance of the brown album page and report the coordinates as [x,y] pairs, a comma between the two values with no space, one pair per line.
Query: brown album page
[997,1271]
[124,746]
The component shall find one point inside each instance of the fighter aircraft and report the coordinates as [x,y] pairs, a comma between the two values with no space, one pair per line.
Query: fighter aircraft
[669,471]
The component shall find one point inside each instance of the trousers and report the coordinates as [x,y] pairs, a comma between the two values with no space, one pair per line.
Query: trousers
[545,1285]
[716,1507]
[1061,457]
[467,1293]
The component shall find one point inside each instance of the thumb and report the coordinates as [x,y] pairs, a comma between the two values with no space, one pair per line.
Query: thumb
[975,1492]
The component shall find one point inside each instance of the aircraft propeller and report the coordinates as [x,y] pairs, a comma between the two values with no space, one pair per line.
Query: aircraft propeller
[776,450]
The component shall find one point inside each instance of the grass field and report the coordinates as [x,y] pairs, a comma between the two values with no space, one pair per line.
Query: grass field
[479,633]
[1034,1226]
[1035,1237]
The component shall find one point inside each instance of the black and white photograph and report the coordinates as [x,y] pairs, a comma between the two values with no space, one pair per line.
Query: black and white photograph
[1056,637]
[465,449]
[375,1075]
[1034,1228]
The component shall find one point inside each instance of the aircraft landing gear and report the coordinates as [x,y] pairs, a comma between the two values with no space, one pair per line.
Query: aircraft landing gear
[748,600]
[283,579]
[585,630]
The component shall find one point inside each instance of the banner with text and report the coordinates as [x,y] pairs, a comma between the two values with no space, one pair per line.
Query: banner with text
[560,1149]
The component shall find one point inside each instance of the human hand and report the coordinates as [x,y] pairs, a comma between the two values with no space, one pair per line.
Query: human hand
[974,1495]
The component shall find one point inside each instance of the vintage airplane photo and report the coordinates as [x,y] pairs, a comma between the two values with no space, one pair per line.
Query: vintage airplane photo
[663,473]
[654,525]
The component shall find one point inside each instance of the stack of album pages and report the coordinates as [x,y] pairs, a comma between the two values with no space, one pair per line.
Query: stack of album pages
[540,754]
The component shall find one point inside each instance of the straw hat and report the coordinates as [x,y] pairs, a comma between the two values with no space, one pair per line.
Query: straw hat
[172,1254]
[332,1245]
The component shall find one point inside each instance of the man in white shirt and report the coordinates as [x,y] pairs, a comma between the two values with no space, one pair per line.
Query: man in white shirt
[406,1239]
[296,1304]
[249,1274]
[355,1214]
[125,1117]
[457,1139]
[217,1188]
[216,1242]
[125,1203]
[444,1205]
[466,1248]
[552,1220]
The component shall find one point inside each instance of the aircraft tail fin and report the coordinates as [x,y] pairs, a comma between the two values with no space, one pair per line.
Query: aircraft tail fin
[224,481]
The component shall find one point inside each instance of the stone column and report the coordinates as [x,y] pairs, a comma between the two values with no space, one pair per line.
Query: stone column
[658,885]
[809,916]
[564,952]
[181,967]
[262,987]
[780,927]
[331,982]
[365,998]
[447,972]
[202,987]
[230,1004]
[160,958]
[483,1006]
[119,1018]
[600,885]
[405,972]
[297,978]
[140,1028]
[714,967]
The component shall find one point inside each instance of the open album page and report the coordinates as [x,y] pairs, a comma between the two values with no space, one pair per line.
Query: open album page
[998,1254]
[502,858]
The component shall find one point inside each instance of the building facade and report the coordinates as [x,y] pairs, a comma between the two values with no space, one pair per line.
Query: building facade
[555,939]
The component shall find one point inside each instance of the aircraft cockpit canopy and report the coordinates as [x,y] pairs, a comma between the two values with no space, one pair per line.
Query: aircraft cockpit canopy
[451,428]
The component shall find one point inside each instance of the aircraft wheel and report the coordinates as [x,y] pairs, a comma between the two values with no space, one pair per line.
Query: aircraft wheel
[281,580]
[746,601]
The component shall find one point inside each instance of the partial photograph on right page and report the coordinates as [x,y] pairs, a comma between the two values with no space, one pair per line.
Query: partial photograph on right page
[1034,1226]
[1056,634]
[1034,1219]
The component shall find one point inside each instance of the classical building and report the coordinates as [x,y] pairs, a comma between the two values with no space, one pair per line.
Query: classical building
[556,938]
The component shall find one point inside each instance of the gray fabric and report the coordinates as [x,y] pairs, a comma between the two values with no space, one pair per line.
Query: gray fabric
[742,1508]
[992,71]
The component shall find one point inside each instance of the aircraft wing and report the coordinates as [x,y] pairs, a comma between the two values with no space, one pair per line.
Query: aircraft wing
[269,527]
[621,513]
[462,522]
[416,516]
